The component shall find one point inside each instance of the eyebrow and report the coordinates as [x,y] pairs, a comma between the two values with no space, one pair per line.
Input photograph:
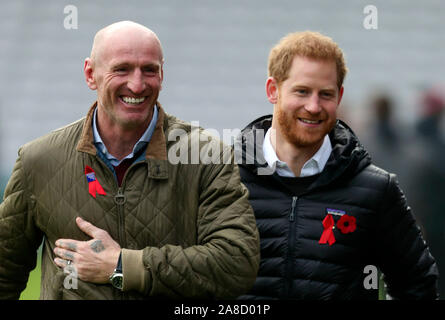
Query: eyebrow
[126,64]
[301,86]
[119,65]
[152,65]
[329,89]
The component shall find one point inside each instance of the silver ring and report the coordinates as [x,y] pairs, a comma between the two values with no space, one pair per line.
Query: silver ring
[69,262]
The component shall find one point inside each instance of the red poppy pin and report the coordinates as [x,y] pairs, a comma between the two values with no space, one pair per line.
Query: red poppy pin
[93,185]
[346,224]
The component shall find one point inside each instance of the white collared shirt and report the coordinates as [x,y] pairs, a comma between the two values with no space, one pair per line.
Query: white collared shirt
[311,167]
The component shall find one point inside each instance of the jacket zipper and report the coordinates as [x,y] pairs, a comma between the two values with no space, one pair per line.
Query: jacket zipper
[291,247]
[292,213]
[119,200]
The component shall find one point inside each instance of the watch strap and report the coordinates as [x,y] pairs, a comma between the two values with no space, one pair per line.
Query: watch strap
[119,263]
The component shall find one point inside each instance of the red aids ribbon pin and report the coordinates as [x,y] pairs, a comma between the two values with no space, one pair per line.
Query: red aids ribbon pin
[328,233]
[93,185]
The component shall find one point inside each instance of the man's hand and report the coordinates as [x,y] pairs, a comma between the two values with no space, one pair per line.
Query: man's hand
[93,260]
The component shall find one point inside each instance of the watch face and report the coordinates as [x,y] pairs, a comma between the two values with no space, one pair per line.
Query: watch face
[117,281]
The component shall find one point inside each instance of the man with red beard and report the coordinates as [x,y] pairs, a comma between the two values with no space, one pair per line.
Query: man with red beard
[326,215]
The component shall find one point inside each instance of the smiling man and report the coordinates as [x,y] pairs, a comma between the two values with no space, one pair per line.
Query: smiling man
[325,213]
[118,220]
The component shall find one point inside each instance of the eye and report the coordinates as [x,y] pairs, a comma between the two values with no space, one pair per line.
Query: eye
[327,94]
[151,70]
[301,92]
[121,69]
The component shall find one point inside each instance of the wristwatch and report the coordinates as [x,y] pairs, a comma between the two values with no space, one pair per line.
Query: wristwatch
[117,278]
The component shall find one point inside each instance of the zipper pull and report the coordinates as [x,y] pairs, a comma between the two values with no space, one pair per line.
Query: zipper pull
[294,205]
[120,198]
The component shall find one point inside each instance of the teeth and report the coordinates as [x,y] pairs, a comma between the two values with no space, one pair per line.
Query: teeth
[309,121]
[132,100]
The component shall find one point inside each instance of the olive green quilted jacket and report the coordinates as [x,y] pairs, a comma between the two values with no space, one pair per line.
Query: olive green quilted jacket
[187,229]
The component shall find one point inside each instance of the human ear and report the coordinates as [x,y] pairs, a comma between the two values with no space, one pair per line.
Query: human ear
[340,95]
[272,90]
[88,71]
[161,74]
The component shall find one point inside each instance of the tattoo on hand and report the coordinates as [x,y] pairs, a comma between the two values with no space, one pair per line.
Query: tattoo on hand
[72,246]
[97,246]
[69,245]
[69,255]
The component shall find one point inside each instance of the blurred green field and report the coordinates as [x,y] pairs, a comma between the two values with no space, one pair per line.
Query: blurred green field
[32,291]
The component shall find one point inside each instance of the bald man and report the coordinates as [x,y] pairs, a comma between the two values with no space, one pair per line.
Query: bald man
[118,219]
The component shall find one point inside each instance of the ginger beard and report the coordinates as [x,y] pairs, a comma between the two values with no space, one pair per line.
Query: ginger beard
[300,134]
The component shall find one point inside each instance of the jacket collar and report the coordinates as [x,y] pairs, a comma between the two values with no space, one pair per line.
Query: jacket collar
[156,153]
[348,155]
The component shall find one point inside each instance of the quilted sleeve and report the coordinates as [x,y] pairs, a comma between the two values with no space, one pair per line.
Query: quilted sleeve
[225,261]
[409,269]
[19,238]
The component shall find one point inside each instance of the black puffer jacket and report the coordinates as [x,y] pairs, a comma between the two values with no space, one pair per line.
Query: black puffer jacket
[294,265]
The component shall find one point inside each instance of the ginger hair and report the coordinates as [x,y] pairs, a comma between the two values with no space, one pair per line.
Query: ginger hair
[306,44]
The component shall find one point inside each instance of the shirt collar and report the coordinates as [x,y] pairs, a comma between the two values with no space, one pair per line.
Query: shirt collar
[311,167]
[143,141]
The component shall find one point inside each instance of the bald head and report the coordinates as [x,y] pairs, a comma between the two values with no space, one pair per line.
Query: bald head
[126,70]
[119,31]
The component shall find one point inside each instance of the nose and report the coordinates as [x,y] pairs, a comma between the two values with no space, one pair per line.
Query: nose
[136,82]
[313,104]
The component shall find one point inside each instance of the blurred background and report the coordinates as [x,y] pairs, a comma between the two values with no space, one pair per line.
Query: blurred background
[215,71]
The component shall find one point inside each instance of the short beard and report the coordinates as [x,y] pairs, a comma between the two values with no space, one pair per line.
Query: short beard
[288,129]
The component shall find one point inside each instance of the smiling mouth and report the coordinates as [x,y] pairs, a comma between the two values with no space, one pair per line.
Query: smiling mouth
[132,100]
[307,121]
